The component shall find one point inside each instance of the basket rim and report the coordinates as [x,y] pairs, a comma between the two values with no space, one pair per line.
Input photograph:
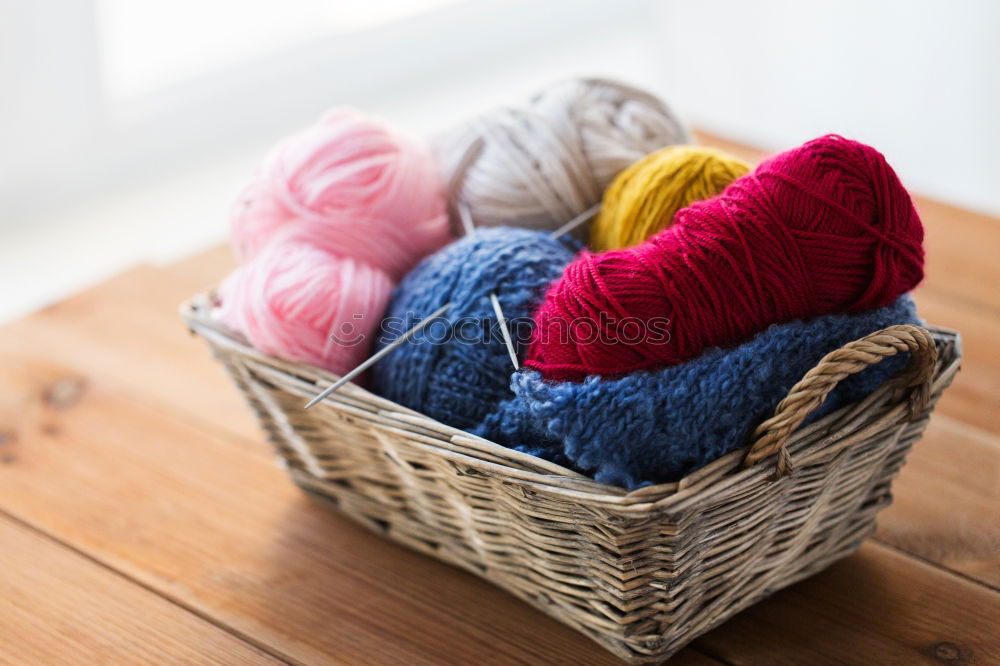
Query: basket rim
[479,455]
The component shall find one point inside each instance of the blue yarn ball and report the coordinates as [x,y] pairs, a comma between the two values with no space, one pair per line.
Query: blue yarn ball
[658,426]
[457,370]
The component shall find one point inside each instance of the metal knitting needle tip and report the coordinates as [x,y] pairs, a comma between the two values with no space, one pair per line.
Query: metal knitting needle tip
[378,355]
[466,217]
[503,330]
[577,221]
[471,154]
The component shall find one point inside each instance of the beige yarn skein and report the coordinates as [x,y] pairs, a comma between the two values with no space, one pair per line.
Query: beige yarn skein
[541,164]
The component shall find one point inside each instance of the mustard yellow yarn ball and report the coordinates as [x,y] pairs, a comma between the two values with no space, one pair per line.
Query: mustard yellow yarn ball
[643,198]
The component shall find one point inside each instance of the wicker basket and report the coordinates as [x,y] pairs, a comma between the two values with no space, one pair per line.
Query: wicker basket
[642,572]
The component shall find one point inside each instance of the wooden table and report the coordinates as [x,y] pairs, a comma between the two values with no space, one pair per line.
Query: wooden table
[142,518]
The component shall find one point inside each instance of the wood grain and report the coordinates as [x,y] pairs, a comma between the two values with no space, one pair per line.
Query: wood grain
[961,254]
[58,607]
[224,531]
[974,398]
[947,501]
[127,331]
[876,607]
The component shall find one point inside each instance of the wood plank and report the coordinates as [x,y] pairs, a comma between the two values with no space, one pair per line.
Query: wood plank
[876,607]
[225,532]
[974,397]
[946,506]
[203,270]
[127,330]
[961,253]
[59,607]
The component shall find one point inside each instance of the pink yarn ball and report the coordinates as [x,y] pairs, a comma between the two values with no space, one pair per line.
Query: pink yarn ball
[334,217]
[348,173]
[299,302]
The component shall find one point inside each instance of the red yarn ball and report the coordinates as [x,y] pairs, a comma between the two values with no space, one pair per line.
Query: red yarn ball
[821,229]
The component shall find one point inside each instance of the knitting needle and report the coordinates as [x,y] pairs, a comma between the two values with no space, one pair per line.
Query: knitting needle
[564,229]
[470,155]
[503,330]
[379,354]
[577,221]
[466,218]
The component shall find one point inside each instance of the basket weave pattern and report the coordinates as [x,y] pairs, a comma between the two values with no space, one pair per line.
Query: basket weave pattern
[642,573]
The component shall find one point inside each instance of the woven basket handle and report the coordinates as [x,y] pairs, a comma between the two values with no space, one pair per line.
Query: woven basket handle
[771,436]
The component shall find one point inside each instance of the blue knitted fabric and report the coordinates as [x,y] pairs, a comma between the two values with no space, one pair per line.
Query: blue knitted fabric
[657,426]
[457,370]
